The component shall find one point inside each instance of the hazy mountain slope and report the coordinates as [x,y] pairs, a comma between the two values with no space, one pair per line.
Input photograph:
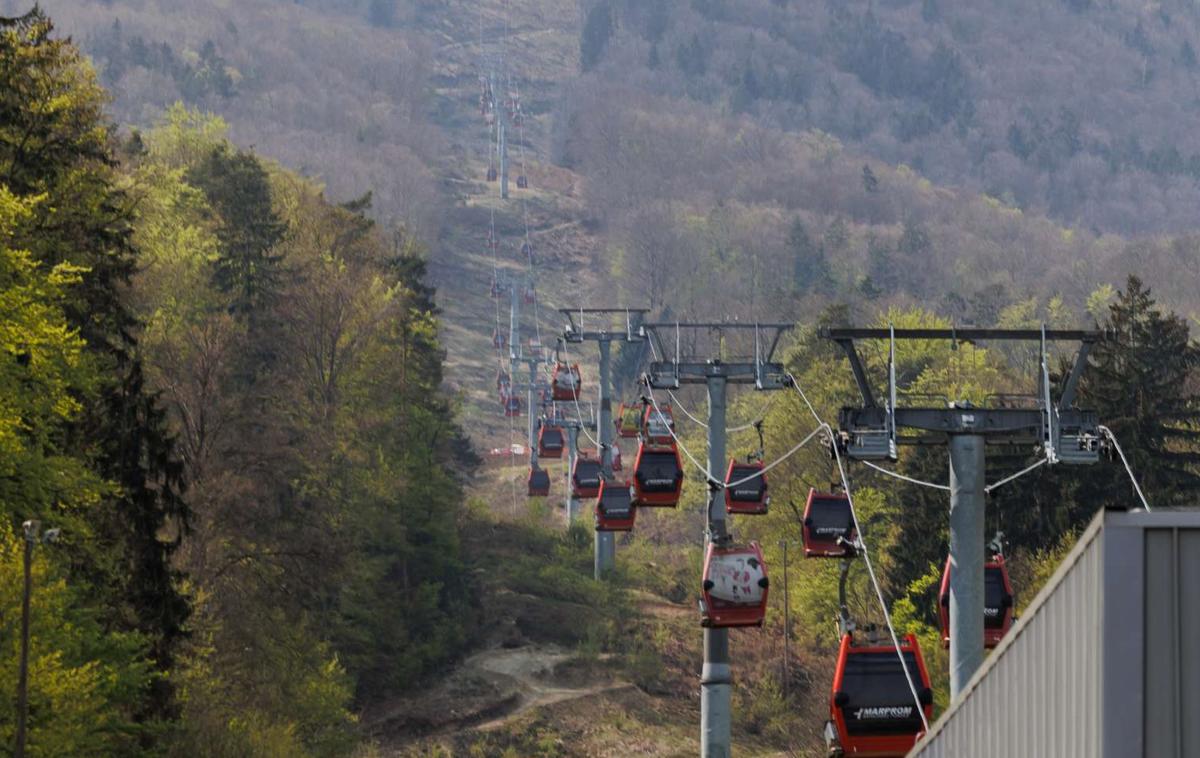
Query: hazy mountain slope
[320,91]
[1082,109]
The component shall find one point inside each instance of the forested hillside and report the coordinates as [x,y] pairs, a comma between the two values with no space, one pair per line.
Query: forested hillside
[248,253]
[218,388]
[1074,108]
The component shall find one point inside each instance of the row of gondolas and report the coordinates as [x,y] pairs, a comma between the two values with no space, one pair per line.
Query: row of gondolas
[872,709]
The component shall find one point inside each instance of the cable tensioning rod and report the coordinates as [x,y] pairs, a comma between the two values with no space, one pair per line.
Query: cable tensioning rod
[909,479]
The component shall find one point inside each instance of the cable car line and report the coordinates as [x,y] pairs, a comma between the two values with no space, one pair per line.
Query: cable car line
[862,548]
[704,469]
[1117,446]
[988,489]
[931,485]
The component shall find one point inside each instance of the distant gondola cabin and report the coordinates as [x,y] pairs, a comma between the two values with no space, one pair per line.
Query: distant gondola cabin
[828,525]
[746,488]
[539,482]
[998,601]
[872,709]
[657,476]
[615,509]
[512,406]
[735,586]
[585,478]
[658,424]
[550,441]
[565,382]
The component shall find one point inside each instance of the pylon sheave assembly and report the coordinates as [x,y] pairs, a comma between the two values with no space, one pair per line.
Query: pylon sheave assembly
[734,587]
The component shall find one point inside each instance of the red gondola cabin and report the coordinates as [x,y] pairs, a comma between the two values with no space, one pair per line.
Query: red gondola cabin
[565,383]
[827,518]
[585,478]
[512,406]
[656,428]
[746,495]
[997,602]
[735,586]
[615,509]
[550,441]
[872,711]
[539,482]
[657,476]
[617,465]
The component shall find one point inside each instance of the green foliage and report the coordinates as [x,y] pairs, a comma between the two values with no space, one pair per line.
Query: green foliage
[85,681]
[55,146]
[236,186]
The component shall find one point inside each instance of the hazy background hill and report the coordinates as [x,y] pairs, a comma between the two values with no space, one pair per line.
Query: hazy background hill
[1078,108]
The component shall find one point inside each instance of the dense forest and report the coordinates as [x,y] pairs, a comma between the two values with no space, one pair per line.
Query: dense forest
[218,387]
[244,267]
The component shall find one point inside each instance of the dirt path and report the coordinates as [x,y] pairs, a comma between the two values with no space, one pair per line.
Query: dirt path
[529,668]
[484,693]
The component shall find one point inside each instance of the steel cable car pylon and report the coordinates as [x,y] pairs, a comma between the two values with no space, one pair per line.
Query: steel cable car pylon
[596,325]
[1065,434]
[715,373]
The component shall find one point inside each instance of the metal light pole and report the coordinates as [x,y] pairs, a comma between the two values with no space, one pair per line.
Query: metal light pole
[31,536]
[32,532]
[787,622]
[606,543]
[716,680]
[966,558]
[572,455]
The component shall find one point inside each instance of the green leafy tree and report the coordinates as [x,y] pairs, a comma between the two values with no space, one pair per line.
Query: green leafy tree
[55,144]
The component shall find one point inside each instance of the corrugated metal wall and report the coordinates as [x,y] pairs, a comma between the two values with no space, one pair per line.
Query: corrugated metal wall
[1172,659]
[1040,691]
[1106,662]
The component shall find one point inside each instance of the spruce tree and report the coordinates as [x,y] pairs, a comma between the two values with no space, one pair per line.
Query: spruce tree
[1142,384]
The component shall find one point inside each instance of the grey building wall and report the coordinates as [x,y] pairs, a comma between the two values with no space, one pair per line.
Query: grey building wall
[1105,662]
